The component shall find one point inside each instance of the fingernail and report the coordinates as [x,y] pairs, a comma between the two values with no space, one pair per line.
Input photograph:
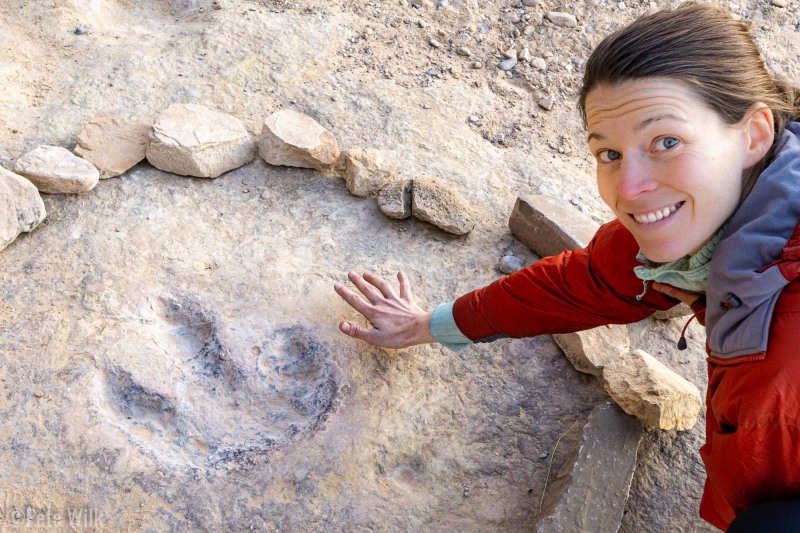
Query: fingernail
[337,285]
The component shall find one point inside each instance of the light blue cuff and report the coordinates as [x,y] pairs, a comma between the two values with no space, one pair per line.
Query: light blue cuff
[445,330]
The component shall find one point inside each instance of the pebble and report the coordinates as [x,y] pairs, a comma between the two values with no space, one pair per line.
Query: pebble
[511,53]
[477,65]
[539,62]
[543,455]
[546,103]
[475,119]
[443,3]
[525,55]
[564,20]
[507,65]
[435,43]
[621,6]
[780,3]
[483,28]
[463,51]
[39,394]
[238,403]
[80,31]
[510,264]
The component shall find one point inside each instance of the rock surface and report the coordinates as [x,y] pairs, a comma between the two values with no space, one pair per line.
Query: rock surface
[676,312]
[590,350]
[193,140]
[367,170]
[433,202]
[645,388]
[21,207]
[549,226]
[590,491]
[394,200]
[293,139]
[56,170]
[113,145]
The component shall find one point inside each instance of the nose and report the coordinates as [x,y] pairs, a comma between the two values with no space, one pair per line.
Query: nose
[635,177]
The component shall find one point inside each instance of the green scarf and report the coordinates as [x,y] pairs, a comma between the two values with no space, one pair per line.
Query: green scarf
[689,273]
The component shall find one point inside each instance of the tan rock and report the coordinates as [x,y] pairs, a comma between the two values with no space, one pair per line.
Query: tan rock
[394,200]
[21,207]
[112,144]
[590,350]
[297,140]
[367,170]
[651,392]
[56,170]
[435,203]
[192,140]
[676,312]
[549,226]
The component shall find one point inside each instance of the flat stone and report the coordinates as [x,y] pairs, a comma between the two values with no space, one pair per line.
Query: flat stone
[590,490]
[546,103]
[367,170]
[56,170]
[648,390]
[564,20]
[590,350]
[21,207]
[394,200]
[296,140]
[193,140]
[442,207]
[676,312]
[780,3]
[549,226]
[113,145]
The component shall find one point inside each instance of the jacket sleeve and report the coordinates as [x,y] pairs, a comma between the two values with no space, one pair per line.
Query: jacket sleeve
[572,291]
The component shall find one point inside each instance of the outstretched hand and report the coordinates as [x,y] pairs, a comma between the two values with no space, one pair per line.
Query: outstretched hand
[397,321]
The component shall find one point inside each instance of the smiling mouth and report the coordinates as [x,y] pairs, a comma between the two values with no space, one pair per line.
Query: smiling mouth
[655,216]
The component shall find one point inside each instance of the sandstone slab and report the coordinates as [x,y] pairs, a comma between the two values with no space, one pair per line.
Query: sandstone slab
[56,170]
[590,491]
[590,350]
[113,145]
[193,140]
[367,170]
[433,202]
[648,390]
[394,200]
[293,139]
[549,226]
[21,207]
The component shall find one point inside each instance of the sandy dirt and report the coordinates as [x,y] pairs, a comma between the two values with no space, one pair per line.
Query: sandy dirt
[169,356]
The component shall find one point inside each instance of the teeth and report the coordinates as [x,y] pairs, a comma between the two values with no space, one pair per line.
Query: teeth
[655,216]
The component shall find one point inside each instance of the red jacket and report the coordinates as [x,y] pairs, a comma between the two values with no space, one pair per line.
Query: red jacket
[752,449]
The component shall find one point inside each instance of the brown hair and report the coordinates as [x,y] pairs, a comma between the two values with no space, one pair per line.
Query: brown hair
[704,47]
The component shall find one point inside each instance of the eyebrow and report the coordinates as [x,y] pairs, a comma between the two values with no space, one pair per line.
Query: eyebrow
[642,125]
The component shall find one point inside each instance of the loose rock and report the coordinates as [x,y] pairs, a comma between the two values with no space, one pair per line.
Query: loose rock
[192,140]
[21,207]
[525,55]
[549,226]
[651,392]
[394,200]
[780,3]
[113,145]
[297,140]
[546,103]
[56,170]
[510,264]
[590,350]
[539,62]
[507,64]
[463,51]
[434,43]
[367,170]
[511,53]
[435,203]
[564,20]
[591,488]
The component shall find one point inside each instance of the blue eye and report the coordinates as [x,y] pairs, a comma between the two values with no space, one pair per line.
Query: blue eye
[607,156]
[667,142]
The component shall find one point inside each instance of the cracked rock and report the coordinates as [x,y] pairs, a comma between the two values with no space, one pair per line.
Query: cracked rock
[549,226]
[590,350]
[113,145]
[367,170]
[394,200]
[435,203]
[21,207]
[192,140]
[296,140]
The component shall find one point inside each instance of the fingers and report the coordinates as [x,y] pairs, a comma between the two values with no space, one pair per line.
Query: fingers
[685,297]
[352,298]
[405,286]
[359,332]
[381,284]
[367,289]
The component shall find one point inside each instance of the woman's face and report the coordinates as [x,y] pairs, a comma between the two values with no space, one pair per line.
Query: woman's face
[667,165]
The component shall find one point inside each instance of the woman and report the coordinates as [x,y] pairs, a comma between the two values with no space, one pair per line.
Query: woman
[699,159]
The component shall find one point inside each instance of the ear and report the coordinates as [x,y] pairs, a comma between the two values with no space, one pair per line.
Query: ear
[759,131]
